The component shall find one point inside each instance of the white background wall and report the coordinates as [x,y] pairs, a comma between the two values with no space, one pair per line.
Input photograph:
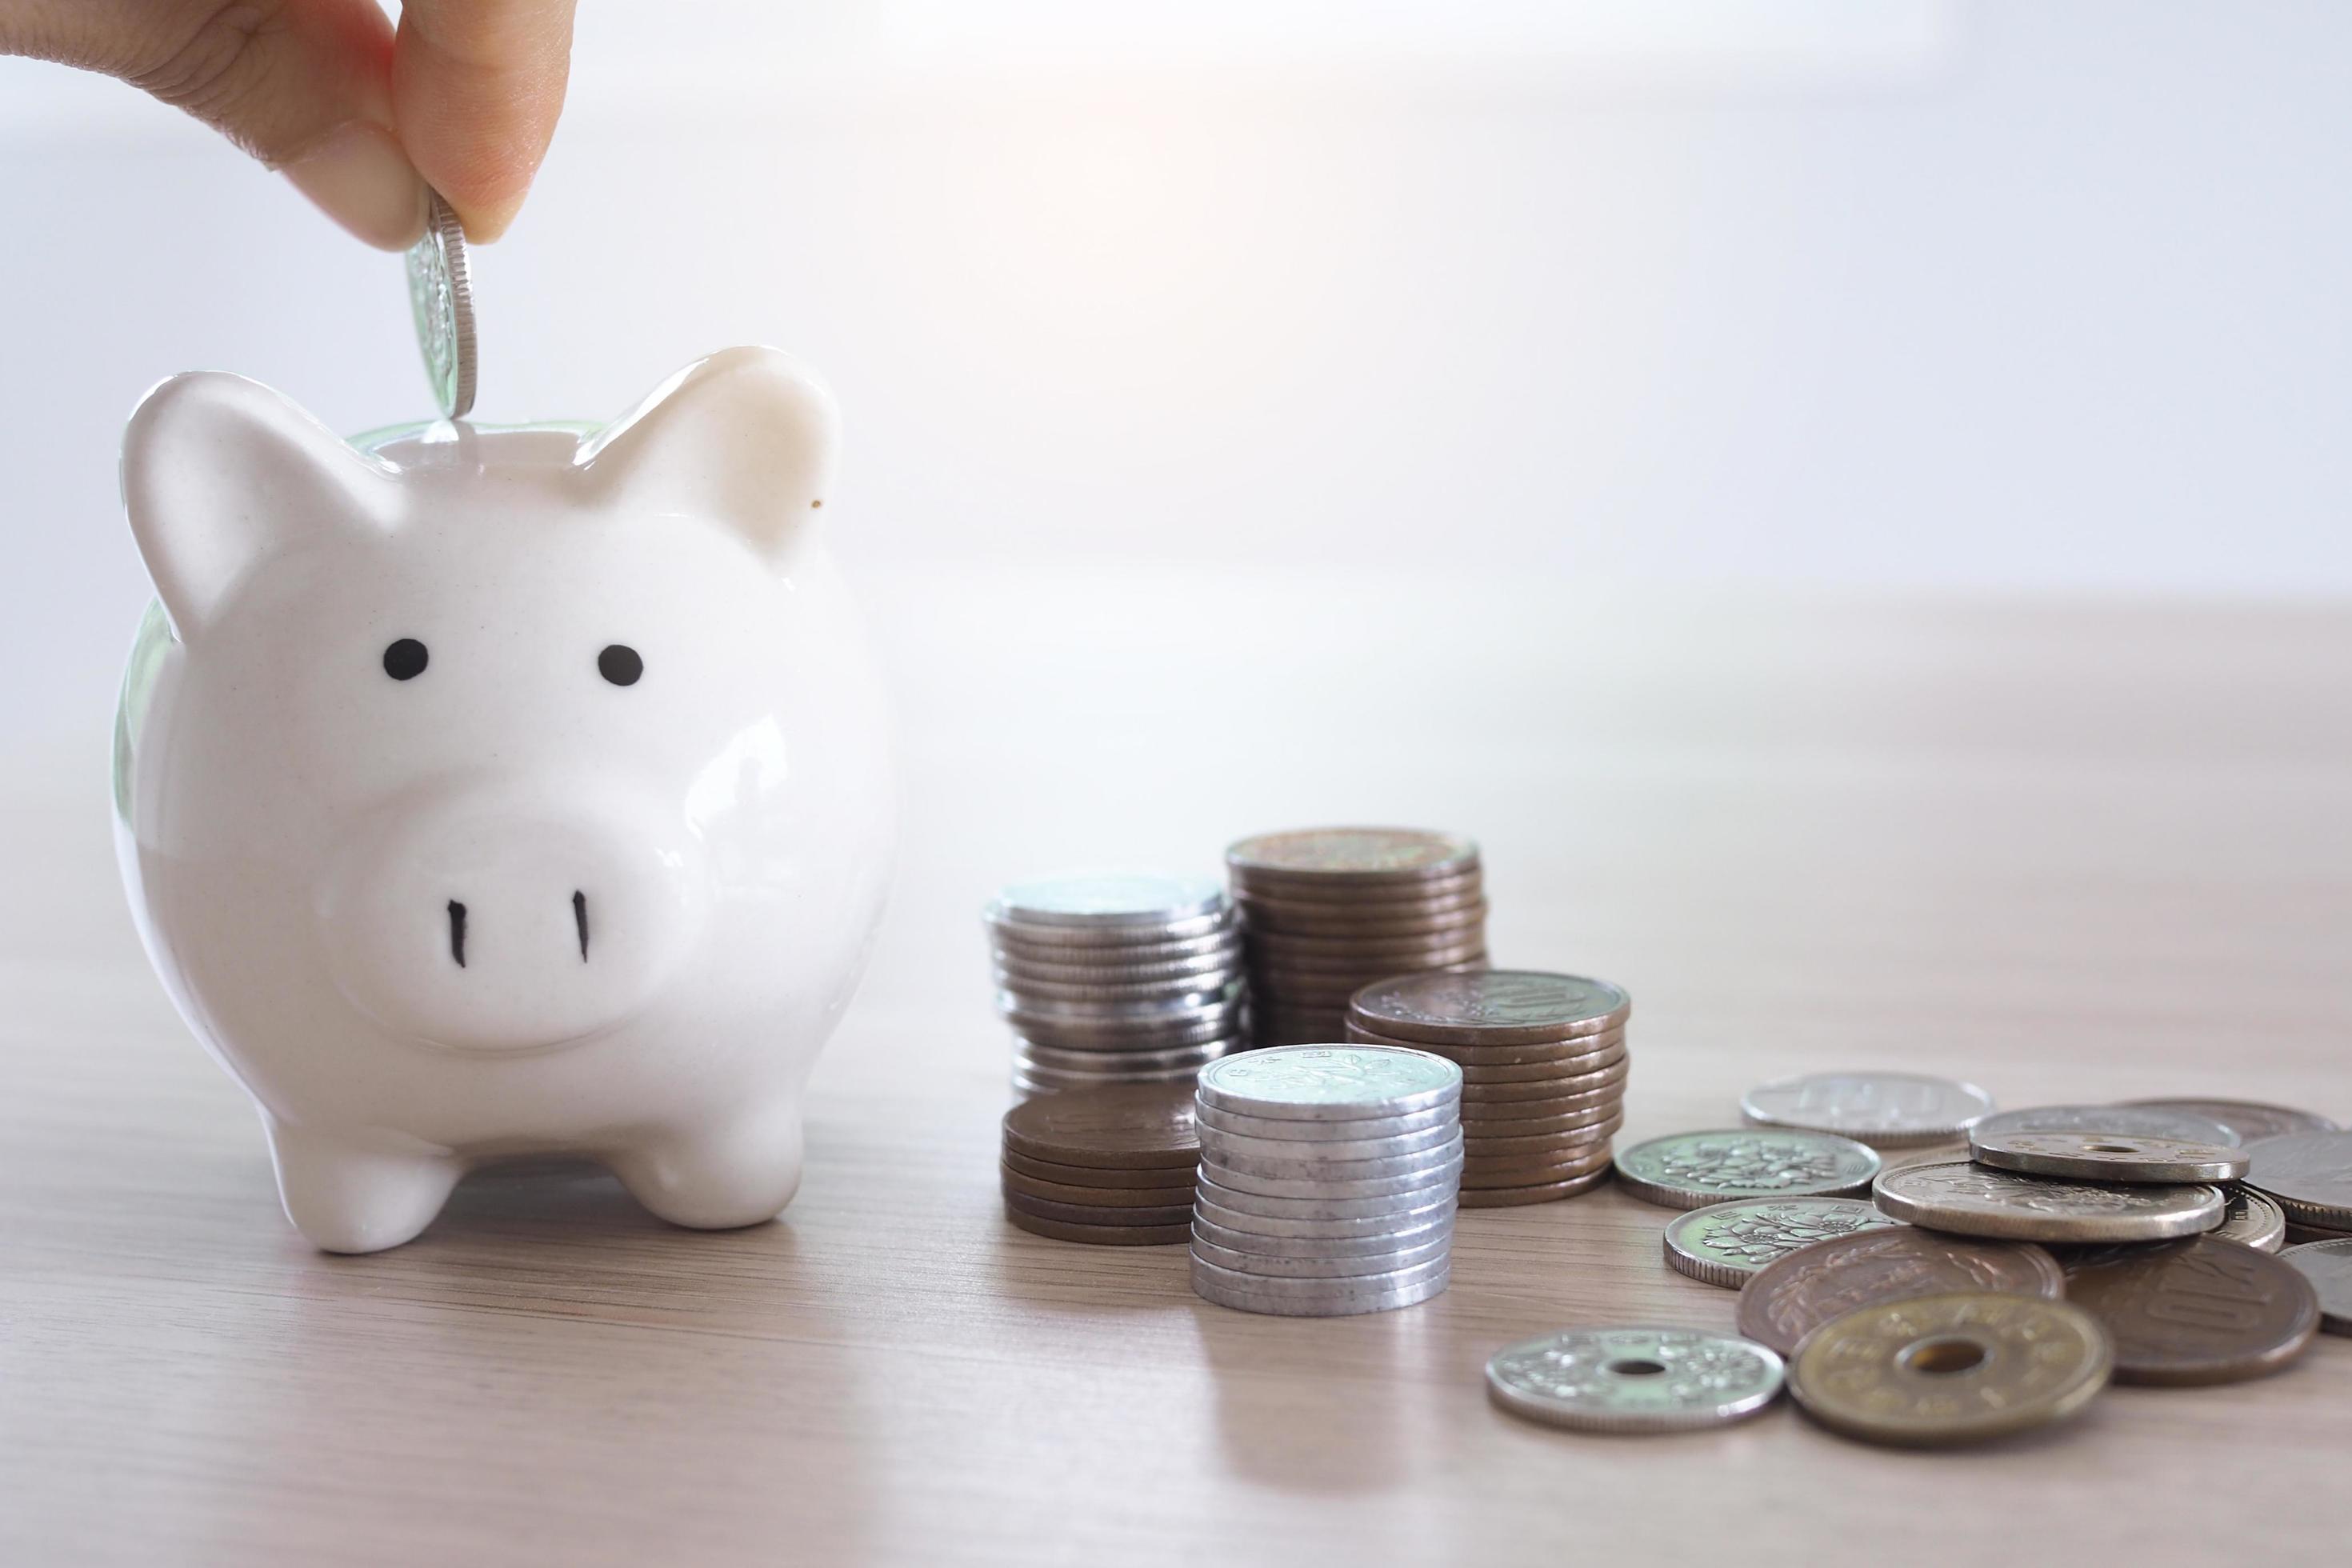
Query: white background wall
[1906,295]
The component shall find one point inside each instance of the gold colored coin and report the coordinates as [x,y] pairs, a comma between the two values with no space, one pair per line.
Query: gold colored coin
[1941,1370]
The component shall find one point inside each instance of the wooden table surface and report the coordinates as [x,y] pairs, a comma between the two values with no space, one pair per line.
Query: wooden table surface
[2066,850]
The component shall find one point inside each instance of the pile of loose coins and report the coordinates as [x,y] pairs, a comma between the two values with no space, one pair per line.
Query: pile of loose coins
[1113,1167]
[1543,1063]
[1948,1301]
[1329,910]
[1327,1179]
[1116,978]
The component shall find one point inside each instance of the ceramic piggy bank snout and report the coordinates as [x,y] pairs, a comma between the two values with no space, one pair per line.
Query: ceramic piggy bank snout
[487,793]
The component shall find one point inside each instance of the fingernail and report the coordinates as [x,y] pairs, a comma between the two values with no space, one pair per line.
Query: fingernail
[358,176]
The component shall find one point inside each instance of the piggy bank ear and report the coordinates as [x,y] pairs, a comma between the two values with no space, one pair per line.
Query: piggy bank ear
[219,473]
[744,439]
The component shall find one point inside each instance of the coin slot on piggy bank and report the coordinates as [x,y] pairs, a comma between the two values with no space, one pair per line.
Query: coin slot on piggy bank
[486,791]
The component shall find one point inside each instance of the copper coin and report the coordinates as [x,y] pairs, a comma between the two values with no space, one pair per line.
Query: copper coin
[2328,1266]
[2310,1175]
[1407,855]
[1537,1072]
[2194,1312]
[1094,1175]
[1103,1234]
[1502,1117]
[1280,947]
[1930,1371]
[1123,1126]
[1789,1299]
[1481,1181]
[1358,918]
[2248,1119]
[1028,1186]
[1489,1145]
[1098,1214]
[1586,1085]
[1580,1053]
[1544,1192]
[2304,1235]
[1496,1007]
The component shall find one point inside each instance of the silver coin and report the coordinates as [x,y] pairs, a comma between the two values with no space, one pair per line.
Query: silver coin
[1724,1244]
[1014,971]
[1271,1266]
[1326,1083]
[1102,1059]
[1188,1029]
[1143,1012]
[2139,1119]
[1634,1379]
[2252,1220]
[1332,1158]
[1144,1072]
[1968,1199]
[1325,1198]
[2328,1266]
[1884,1109]
[2107,1156]
[1171,937]
[1206,1286]
[2251,1119]
[1108,899]
[1375,1245]
[1691,1170]
[1206,989]
[1381,1206]
[1354,1129]
[1330,1290]
[1286,1226]
[2309,1174]
[441,297]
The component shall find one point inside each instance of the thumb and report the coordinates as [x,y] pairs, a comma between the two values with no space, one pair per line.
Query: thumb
[303,85]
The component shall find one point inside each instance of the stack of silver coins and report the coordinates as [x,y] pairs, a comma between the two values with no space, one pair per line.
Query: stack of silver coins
[1118,977]
[1328,1178]
[1331,909]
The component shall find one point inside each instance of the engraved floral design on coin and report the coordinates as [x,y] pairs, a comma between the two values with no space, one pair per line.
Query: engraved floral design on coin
[1884,1109]
[1976,1200]
[2328,1266]
[1724,1244]
[1320,1082]
[2137,1120]
[1799,1293]
[441,297]
[1633,1379]
[1950,1369]
[2107,1156]
[2310,1175]
[2194,1312]
[1691,1169]
[1490,1006]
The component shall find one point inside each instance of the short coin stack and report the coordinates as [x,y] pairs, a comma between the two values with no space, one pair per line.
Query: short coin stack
[1327,1179]
[1116,978]
[1543,1060]
[1113,1167]
[1330,910]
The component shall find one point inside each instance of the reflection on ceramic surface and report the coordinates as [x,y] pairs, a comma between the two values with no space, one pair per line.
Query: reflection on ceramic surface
[486,791]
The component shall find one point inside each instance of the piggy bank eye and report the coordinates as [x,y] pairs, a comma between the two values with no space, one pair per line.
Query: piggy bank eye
[405,659]
[618,663]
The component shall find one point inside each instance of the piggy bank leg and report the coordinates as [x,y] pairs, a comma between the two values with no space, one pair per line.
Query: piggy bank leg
[718,1176]
[346,1198]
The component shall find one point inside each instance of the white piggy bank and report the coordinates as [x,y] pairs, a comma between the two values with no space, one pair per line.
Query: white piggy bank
[504,792]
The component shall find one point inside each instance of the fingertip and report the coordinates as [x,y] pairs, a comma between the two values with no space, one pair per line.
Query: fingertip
[358,176]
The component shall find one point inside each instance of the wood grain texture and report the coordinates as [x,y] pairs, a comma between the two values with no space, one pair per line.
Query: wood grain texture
[2067,851]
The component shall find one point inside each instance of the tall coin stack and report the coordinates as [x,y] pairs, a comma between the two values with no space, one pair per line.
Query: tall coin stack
[1543,1064]
[1116,978]
[1329,909]
[1326,1181]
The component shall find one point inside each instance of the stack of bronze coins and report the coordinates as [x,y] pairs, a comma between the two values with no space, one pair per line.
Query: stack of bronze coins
[1328,910]
[1113,1167]
[1116,978]
[1327,1182]
[1543,1063]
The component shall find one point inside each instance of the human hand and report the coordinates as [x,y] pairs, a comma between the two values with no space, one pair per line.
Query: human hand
[358,115]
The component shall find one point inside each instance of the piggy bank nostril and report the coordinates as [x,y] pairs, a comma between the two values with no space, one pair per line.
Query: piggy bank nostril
[580,921]
[457,932]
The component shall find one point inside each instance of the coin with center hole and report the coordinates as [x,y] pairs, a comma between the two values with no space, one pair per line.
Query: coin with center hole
[1724,1244]
[2107,1156]
[1941,1370]
[2310,1175]
[2327,1265]
[1632,1379]
[1691,1170]
[1795,1295]
[2140,1120]
[2194,1312]
[2251,1119]
[1969,1199]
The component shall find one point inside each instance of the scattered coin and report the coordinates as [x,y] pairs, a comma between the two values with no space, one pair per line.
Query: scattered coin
[2310,1176]
[1950,1369]
[1798,1293]
[441,297]
[1976,1200]
[1691,1170]
[2107,1156]
[2251,1121]
[2327,1265]
[2252,1220]
[1724,1244]
[1884,1109]
[1123,1126]
[2147,1121]
[1633,1379]
[2194,1312]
